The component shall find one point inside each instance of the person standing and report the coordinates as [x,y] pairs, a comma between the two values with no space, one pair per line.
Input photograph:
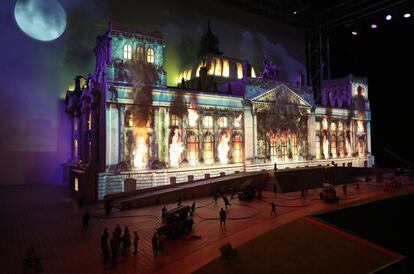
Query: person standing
[136,239]
[86,218]
[223,216]
[273,212]
[154,242]
[163,212]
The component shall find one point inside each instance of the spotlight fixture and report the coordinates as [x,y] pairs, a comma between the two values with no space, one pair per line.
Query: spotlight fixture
[295,12]
[388,17]
[407,15]
[354,33]
[374,26]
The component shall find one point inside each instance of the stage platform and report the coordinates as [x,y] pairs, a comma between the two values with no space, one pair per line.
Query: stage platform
[286,180]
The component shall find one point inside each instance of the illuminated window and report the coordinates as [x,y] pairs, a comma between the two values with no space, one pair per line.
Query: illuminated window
[341,149]
[239,71]
[318,126]
[294,145]
[217,70]
[175,120]
[76,184]
[210,67]
[333,127]
[324,123]
[226,68]
[75,149]
[237,121]
[340,126]
[253,74]
[273,149]
[360,126]
[130,120]
[237,152]
[150,55]
[127,52]
[90,120]
[140,54]
[333,146]
[222,121]
[192,150]
[208,121]
[208,150]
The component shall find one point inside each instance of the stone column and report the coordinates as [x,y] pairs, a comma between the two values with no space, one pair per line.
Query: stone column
[368,133]
[248,153]
[121,119]
[311,136]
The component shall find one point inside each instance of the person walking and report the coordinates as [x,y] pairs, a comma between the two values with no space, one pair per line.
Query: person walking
[226,201]
[223,216]
[136,239]
[273,212]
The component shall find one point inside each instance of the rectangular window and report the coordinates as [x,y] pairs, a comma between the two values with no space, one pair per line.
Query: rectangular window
[208,121]
[208,150]
[222,121]
[175,121]
[239,71]
[192,150]
[76,184]
[226,68]
[237,152]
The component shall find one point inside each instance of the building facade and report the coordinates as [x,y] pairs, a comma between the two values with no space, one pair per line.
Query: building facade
[131,131]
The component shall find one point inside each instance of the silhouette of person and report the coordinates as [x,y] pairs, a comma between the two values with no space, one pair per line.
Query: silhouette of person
[273,212]
[85,221]
[136,239]
[223,216]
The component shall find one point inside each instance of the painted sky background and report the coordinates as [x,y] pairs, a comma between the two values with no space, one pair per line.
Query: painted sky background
[34,131]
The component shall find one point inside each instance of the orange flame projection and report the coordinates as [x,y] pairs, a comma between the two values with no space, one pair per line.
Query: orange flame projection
[192,114]
[223,148]
[140,152]
[176,148]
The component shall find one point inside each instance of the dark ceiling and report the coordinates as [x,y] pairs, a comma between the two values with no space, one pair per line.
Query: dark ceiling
[328,14]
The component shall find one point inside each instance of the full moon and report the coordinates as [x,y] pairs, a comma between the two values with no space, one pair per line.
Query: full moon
[43,20]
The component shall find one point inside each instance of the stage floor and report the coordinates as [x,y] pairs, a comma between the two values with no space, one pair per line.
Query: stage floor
[48,218]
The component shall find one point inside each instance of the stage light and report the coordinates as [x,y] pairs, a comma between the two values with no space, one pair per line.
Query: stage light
[354,33]
[295,12]
[407,15]
[374,26]
[388,17]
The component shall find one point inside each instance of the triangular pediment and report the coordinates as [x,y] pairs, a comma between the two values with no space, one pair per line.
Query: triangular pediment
[280,91]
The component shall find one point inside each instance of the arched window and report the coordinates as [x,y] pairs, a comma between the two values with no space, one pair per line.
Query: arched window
[237,151]
[217,70]
[208,121]
[140,53]
[208,153]
[127,52]
[226,68]
[294,146]
[222,122]
[150,56]
[239,70]
[192,150]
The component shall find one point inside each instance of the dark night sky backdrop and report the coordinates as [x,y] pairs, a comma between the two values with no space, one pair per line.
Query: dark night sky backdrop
[34,132]
[385,56]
